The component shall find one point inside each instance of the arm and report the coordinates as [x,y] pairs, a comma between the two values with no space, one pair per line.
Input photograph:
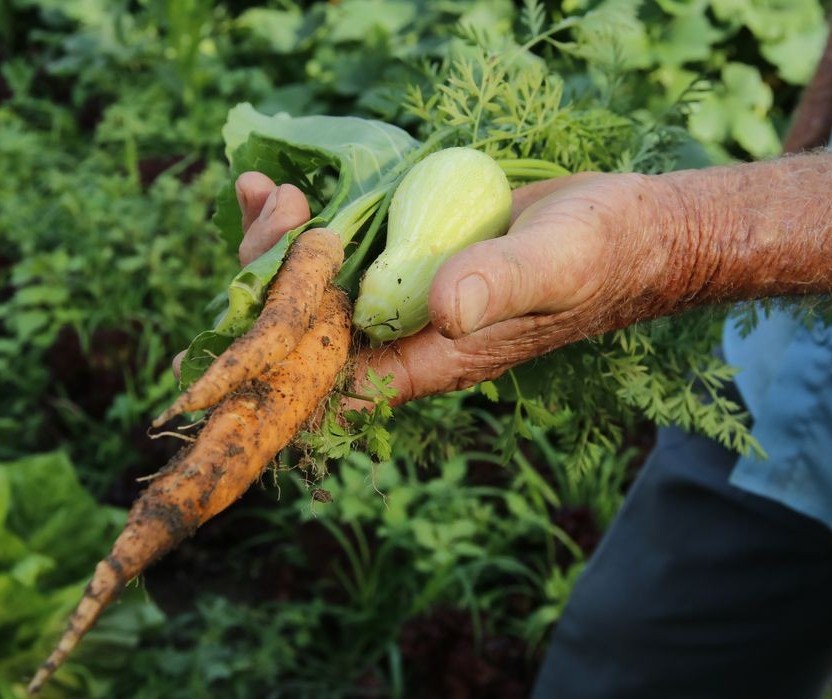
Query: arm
[756,230]
[596,252]
[608,250]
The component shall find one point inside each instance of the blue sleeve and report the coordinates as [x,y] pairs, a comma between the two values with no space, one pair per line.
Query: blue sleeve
[786,381]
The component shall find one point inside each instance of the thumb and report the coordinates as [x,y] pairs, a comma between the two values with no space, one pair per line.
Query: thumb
[549,262]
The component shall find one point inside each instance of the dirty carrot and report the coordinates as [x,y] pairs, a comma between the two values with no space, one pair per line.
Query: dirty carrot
[239,439]
[313,260]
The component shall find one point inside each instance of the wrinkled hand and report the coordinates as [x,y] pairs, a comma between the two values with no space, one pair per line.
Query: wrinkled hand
[580,259]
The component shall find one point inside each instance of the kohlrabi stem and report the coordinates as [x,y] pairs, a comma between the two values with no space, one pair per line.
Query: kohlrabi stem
[532,169]
[348,221]
[350,273]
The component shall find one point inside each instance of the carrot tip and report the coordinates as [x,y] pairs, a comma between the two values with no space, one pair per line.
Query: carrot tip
[163,417]
[175,409]
[41,677]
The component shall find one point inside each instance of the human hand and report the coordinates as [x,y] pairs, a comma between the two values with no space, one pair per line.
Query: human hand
[581,258]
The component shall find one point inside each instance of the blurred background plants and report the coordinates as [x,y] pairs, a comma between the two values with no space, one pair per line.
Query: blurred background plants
[438,572]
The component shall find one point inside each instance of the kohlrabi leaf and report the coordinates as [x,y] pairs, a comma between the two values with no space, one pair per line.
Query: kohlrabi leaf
[364,149]
[334,160]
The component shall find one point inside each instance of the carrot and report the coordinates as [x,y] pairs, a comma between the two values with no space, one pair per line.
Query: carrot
[313,259]
[240,438]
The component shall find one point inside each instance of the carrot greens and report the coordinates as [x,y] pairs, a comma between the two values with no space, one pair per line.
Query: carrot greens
[508,98]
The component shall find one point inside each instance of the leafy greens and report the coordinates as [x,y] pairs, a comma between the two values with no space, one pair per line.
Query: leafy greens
[533,115]
[42,507]
[305,151]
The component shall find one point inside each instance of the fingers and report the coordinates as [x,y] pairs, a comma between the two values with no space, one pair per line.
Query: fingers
[429,363]
[269,211]
[253,188]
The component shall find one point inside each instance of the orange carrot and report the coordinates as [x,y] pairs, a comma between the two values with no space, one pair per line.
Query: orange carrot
[240,438]
[288,311]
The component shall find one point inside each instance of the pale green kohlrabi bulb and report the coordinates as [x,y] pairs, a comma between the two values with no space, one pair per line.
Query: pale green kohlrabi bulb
[449,200]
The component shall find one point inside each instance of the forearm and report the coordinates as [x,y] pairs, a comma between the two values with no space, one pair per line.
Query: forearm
[750,231]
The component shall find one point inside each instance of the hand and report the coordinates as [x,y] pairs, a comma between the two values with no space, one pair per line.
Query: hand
[580,259]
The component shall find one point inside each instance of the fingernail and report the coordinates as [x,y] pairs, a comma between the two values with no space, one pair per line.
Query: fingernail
[471,302]
[270,205]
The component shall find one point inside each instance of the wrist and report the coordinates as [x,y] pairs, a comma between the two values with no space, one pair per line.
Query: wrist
[659,233]
[748,231]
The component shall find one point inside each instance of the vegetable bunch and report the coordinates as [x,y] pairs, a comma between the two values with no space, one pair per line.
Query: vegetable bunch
[268,382]
[398,207]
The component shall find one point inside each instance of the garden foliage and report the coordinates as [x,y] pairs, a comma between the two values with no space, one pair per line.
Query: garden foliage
[483,503]
[42,509]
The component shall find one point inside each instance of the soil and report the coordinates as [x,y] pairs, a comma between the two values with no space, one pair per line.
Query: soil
[447,659]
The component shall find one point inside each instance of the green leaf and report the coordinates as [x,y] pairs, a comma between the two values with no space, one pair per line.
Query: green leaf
[50,507]
[26,324]
[683,7]
[354,20]
[791,34]
[738,108]
[686,38]
[52,533]
[39,294]
[202,351]
[755,133]
[280,30]
[612,34]
[745,87]
[454,470]
[367,149]
[797,55]
[489,390]
[361,151]
[5,500]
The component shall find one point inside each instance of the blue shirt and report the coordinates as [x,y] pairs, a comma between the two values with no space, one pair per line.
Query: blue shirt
[786,381]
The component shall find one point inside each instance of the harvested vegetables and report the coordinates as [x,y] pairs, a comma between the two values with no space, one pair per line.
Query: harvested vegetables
[239,440]
[288,312]
[448,201]
[269,382]
[509,106]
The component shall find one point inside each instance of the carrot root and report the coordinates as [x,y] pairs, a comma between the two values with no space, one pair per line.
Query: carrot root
[240,438]
[288,312]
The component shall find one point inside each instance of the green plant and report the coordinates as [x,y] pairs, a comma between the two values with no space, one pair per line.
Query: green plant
[105,265]
[81,228]
[754,53]
[42,509]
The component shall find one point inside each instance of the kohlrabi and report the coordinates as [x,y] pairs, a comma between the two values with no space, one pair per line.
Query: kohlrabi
[446,202]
